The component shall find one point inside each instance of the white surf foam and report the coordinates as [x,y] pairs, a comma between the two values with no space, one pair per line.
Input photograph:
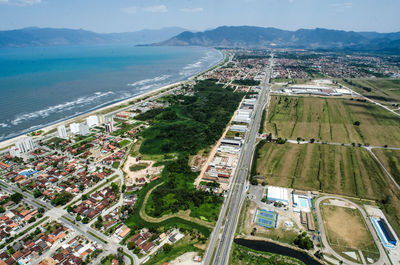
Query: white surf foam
[59,108]
[150,80]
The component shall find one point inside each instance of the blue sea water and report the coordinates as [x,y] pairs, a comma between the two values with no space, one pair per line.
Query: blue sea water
[44,85]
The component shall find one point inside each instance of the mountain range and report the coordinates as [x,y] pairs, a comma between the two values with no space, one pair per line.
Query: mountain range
[225,36]
[257,37]
[33,36]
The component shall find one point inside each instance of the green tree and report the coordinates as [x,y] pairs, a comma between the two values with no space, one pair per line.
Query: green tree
[114,187]
[78,218]
[303,241]
[37,193]
[131,245]
[16,197]
[85,220]
[136,250]
[62,198]
[167,247]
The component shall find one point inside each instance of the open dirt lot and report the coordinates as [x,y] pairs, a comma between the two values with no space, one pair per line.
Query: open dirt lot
[133,176]
[185,259]
[346,229]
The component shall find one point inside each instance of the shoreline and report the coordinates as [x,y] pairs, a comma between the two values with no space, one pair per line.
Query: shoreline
[47,128]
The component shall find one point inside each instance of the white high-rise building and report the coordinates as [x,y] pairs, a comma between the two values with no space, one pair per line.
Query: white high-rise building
[101,119]
[92,121]
[25,145]
[22,146]
[108,119]
[62,132]
[83,129]
[14,152]
[109,127]
[74,127]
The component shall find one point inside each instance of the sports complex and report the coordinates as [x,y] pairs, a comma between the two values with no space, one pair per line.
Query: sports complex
[268,219]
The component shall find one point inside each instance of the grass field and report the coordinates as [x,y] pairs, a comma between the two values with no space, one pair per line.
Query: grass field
[391,160]
[347,231]
[332,120]
[187,244]
[333,169]
[242,256]
[138,167]
[383,90]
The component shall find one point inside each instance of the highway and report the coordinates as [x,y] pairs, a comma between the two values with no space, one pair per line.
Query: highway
[231,208]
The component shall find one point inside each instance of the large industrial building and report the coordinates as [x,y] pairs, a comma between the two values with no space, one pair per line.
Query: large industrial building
[385,233]
[238,128]
[277,194]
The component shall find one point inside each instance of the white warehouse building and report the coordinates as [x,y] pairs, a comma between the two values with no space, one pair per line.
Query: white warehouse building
[277,194]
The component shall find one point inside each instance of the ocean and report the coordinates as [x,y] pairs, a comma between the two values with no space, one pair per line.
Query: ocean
[45,85]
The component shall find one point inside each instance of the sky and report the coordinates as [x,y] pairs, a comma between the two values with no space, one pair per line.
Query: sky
[106,16]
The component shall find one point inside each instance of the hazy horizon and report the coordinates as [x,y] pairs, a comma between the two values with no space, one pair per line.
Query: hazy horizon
[192,30]
[103,16]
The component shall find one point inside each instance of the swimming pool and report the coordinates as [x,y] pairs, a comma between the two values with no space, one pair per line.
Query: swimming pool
[303,202]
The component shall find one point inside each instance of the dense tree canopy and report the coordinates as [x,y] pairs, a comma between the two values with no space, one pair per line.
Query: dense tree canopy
[190,124]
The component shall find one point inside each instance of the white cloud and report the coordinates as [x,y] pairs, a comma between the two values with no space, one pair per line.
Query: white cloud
[156,9]
[21,2]
[129,9]
[343,5]
[152,9]
[192,10]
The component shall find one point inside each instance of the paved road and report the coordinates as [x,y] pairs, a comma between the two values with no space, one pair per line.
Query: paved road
[384,168]
[372,101]
[237,190]
[62,216]
[383,259]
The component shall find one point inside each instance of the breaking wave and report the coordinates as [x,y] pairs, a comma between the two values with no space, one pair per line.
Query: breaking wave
[60,107]
[150,80]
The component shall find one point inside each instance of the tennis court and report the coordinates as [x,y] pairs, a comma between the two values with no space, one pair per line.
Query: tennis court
[266,218]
